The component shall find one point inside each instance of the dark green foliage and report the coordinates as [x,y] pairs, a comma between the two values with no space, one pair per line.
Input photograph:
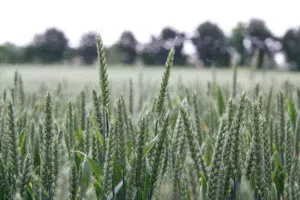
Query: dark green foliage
[290,42]
[88,48]
[48,47]
[210,43]
[259,32]
[156,51]
[237,41]
[127,45]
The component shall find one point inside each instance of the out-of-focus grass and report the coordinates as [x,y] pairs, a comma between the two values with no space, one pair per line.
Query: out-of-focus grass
[78,77]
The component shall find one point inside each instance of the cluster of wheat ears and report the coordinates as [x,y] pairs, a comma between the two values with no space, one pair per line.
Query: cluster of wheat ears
[210,143]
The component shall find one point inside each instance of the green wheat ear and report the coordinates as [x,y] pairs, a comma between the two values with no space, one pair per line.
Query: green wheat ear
[216,165]
[47,157]
[288,145]
[83,111]
[69,137]
[196,155]
[108,176]
[97,112]
[104,84]
[282,124]
[197,119]
[13,157]
[121,142]
[234,82]
[158,154]
[164,83]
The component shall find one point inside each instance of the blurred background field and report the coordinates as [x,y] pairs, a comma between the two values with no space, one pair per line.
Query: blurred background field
[78,77]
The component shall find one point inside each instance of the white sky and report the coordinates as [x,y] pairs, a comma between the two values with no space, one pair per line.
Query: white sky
[20,20]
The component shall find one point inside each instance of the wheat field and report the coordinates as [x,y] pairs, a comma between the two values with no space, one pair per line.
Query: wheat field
[169,133]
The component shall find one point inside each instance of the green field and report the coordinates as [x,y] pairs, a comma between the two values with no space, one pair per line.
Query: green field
[172,133]
[78,77]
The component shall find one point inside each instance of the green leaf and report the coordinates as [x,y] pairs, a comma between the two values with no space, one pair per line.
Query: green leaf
[150,145]
[221,104]
[86,172]
[98,186]
[117,169]
[274,192]
[147,185]
[79,137]
[292,112]
[99,135]
[116,189]
[203,187]
[22,137]
[207,150]
[97,169]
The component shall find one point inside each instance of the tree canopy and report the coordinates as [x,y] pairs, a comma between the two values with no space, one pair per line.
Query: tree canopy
[88,47]
[212,46]
[210,43]
[50,46]
[291,46]
[127,45]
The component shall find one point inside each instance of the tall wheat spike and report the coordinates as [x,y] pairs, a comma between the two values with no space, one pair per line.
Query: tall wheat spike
[104,83]
[47,156]
[215,168]
[13,153]
[197,119]
[236,129]
[200,164]
[288,146]
[297,137]
[282,124]
[158,155]
[108,185]
[70,129]
[82,110]
[234,82]
[164,84]
[121,143]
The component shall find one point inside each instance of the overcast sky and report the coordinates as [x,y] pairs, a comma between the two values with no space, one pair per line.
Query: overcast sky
[20,20]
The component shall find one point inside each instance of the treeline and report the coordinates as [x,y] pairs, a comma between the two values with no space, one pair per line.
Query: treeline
[211,44]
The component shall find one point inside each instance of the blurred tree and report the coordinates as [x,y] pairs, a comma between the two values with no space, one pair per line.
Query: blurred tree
[113,54]
[50,46]
[210,43]
[173,38]
[156,52]
[291,46]
[88,47]
[127,45]
[259,35]
[237,41]
[10,53]
[70,53]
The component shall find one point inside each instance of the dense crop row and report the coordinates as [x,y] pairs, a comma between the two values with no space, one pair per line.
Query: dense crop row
[196,142]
